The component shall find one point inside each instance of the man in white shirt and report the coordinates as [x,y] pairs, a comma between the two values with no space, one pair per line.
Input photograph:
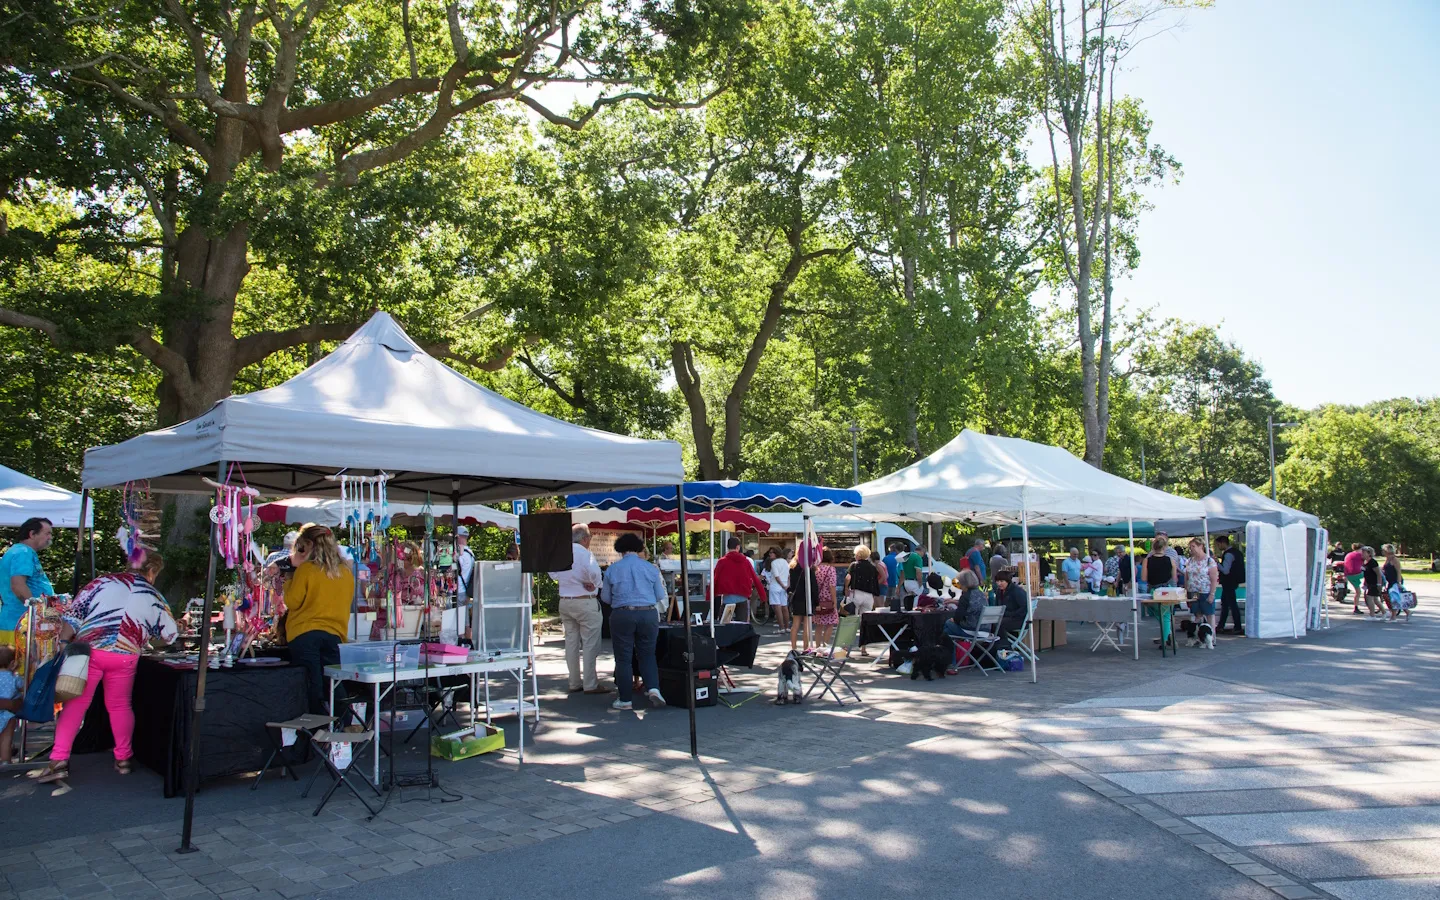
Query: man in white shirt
[580,613]
[466,560]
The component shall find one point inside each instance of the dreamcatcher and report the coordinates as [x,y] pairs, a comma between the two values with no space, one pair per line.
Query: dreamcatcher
[234,517]
[142,522]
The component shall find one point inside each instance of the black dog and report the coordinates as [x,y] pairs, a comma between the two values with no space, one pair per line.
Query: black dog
[933,660]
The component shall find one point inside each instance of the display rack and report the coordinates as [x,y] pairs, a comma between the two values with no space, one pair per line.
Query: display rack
[503,626]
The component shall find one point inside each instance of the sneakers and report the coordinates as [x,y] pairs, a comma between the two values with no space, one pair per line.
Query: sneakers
[656,699]
[621,705]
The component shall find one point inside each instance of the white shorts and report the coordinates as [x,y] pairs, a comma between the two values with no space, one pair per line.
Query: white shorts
[864,601]
[778,597]
[912,586]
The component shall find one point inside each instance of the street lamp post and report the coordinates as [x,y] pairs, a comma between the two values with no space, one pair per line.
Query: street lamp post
[1271,425]
[855,452]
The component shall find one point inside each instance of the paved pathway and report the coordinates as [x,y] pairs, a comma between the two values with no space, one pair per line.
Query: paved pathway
[925,767]
[1313,797]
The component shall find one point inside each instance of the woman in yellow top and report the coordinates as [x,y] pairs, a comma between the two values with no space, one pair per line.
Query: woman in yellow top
[318,601]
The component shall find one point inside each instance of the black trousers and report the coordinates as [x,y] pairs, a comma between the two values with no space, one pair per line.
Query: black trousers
[1229,606]
[313,651]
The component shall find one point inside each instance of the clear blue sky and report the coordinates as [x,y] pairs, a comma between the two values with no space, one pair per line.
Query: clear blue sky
[1306,217]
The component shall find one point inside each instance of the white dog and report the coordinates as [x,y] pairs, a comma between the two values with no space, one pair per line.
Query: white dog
[787,688]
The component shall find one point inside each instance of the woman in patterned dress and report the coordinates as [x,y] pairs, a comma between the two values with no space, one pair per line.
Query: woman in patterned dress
[827,616]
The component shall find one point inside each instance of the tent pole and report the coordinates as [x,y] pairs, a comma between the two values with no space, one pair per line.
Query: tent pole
[1029,587]
[685,608]
[809,600]
[710,611]
[462,596]
[192,774]
[1134,589]
[79,543]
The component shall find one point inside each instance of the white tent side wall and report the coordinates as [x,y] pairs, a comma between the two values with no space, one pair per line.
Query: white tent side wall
[1276,578]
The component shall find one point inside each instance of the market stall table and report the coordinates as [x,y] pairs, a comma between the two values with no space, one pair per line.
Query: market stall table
[383,679]
[233,737]
[1110,614]
[1166,611]
[926,629]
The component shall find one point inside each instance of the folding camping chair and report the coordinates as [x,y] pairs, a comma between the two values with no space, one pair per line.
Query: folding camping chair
[828,670]
[356,741]
[307,725]
[982,641]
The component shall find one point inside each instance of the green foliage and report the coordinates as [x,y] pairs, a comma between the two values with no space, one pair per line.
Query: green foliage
[57,404]
[1368,479]
[1200,408]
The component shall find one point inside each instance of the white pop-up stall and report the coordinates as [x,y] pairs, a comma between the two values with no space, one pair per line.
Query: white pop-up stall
[1284,557]
[377,408]
[990,480]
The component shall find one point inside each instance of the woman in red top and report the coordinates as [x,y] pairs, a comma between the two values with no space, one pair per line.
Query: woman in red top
[735,578]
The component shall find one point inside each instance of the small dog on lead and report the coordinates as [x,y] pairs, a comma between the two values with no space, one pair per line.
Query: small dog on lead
[1203,635]
[787,688]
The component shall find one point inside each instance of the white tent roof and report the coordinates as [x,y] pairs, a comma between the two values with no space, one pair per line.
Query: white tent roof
[991,480]
[381,403]
[23,497]
[1232,506]
[300,510]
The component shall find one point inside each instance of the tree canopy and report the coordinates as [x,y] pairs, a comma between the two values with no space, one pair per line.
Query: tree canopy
[764,228]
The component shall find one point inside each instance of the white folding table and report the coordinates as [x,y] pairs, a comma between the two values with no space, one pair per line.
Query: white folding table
[1108,613]
[383,679]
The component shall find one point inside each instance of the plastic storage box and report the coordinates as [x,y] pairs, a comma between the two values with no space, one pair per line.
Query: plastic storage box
[378,655]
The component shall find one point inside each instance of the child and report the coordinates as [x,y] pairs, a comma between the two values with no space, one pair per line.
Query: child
[10,700]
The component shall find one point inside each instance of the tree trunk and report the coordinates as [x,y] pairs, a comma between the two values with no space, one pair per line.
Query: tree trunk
[211,268]
[687,377]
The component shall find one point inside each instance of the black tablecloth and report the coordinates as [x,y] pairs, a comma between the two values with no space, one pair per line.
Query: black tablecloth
[926,630]
[737,637]
[238,703]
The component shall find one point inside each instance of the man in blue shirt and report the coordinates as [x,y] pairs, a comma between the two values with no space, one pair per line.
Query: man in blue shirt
[633,588]
[977,558]
[21,576]
[892,567]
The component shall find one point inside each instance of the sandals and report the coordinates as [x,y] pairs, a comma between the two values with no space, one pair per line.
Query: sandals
[56,771]
[123,766]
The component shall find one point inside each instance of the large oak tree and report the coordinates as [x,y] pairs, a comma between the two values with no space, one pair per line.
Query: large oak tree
[166,135]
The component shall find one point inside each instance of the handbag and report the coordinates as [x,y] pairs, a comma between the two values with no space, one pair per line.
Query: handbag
[74,672]
[1402,599]
[39,705]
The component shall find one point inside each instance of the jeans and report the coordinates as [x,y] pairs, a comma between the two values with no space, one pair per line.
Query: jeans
[633,633]
[581,618]
[1229,605]
[313,651]
[117,670]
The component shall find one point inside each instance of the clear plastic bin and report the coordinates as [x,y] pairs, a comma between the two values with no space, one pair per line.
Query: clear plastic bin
[377,654]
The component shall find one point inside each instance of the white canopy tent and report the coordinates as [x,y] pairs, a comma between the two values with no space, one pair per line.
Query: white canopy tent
[381,403]
[23,497]
[993,480]
[1000,481]
[378,404]
[1297,541]
[1231,507]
